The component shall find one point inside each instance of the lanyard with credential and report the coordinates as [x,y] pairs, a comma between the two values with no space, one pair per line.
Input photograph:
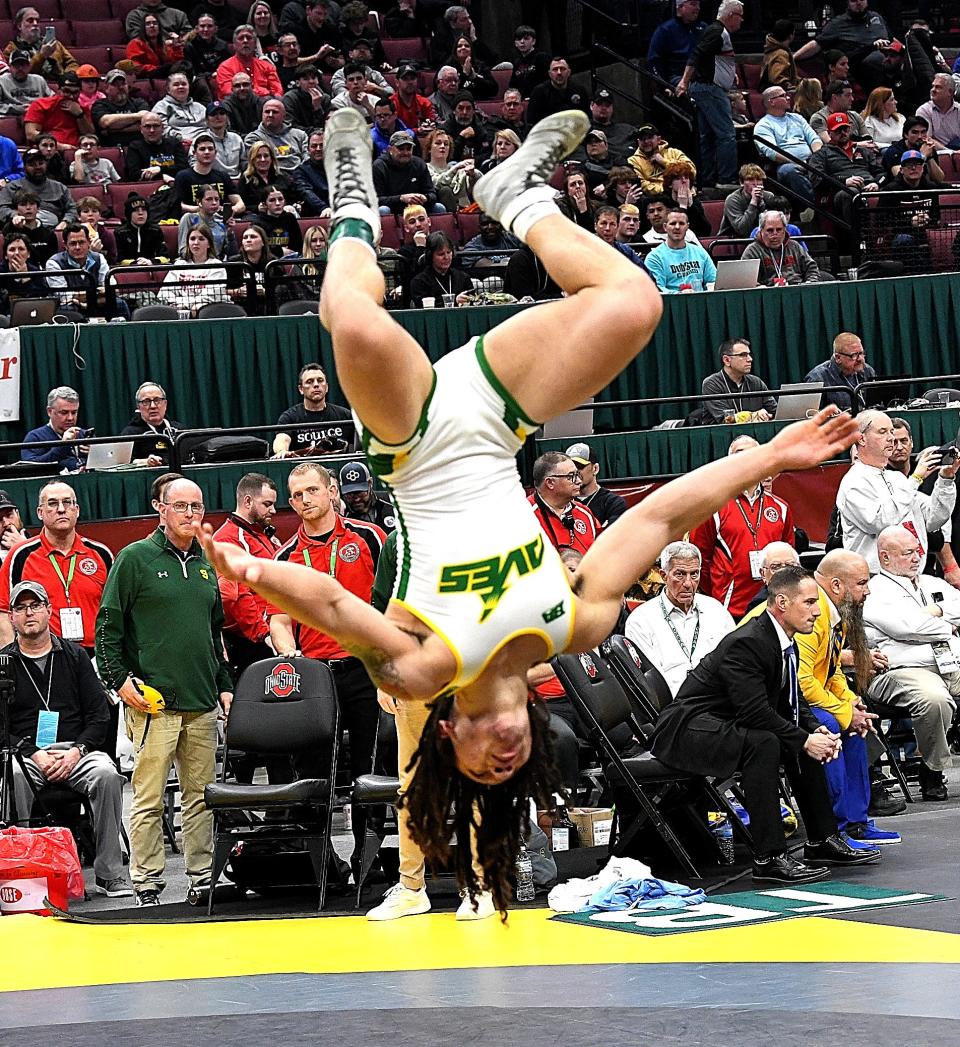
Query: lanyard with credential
[333,558]
[754,530]
[46,701]
[696,632]
[68,581]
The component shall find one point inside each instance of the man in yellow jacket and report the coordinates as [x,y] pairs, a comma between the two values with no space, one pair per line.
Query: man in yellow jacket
[652,157]
[843,578]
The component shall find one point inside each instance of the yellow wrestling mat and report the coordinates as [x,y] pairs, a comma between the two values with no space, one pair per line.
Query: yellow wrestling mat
[44,953]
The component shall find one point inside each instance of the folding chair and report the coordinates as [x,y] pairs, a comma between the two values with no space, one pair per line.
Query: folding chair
[603,705]
[281,706]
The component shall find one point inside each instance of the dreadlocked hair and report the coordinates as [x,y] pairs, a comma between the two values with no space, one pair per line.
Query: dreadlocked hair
[499,815]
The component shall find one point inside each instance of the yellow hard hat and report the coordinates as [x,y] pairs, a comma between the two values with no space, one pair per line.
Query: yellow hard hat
[151,696]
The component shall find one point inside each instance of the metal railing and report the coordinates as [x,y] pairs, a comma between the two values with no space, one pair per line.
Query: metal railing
[142,285]
[918,229]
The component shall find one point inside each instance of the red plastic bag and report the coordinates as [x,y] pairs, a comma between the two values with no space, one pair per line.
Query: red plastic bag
[48,849]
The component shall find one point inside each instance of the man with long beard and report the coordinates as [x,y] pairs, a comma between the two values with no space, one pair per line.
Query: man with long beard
[843,578]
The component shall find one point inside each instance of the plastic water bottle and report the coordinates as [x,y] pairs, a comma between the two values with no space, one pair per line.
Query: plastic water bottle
[525,889]
[723,833]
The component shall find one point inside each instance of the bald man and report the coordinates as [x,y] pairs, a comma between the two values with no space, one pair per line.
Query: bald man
[913,618]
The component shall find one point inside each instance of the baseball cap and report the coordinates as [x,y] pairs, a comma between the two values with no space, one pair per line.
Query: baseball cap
[204,136]
[6,502]
[34,588]
[596,136]
[114,75]
[88,72]
[20,56]
[603,95]
[406,69]
[582,454]
[33,154]
[646,130]
[401,138]
[69,78]
[354,476]
[910,154]
[217,107]
[835,120]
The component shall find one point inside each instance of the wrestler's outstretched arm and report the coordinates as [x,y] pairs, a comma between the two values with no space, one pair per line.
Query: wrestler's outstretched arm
[628,548]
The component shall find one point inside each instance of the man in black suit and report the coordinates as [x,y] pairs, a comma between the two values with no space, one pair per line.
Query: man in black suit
[741,709]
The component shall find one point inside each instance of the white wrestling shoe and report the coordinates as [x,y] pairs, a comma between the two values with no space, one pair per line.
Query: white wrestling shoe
[348,162]
[521,180]
[484,910]
[400,901]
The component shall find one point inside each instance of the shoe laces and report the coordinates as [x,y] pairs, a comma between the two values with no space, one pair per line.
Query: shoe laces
[350,183]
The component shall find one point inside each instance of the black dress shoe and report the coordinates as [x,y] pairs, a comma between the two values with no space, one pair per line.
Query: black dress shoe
[883,804]
[835,850]
[933,785]
[783,869]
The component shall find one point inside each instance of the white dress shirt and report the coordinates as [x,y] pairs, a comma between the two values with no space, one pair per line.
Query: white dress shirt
[870,499]
[898,621]
[649,627]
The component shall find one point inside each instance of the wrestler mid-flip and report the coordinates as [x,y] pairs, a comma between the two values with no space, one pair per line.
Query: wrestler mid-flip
[475,606]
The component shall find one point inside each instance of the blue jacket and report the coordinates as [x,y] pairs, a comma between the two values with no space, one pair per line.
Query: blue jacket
[670,47]
[311,182]
[65,456]
[11,163]
[829,374]
[382,141]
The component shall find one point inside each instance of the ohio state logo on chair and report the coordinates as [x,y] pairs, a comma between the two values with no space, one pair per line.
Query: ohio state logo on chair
[283,681]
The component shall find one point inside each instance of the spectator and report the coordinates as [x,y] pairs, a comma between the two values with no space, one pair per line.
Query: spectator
[859,33]
[656,209]
[242,105]
[260,15]
[678,629]
[279,223]
[22,220]
[677,266]
[791,134]
[416,229]
[709,74]
[942,112]
[11,164]
[408,18]
[262,72]
[678,186]
[154,155]
[881,121]
[470,134]
[183,117]
[256,255]
[356,489]
[778,69]
[742,209]
[226,17]
[205,51]
[731,384]
[400,178]
[289,58]
[621,137]
[152,52]
[910,213]
[628,227]
[84,272]
[314,251]
[606,220]
[924,60]
[305,102]
[557,94]
[355,27]
[49,60]
[163,584]
[511,116]
[317,32]
[527,278]
[915,137]
[139,241]
[63,406]
[171,19]
[117,118]
[672,41]
[452,181]
[808,98]
[475,76]
[456,22]
[856,168]
[89,167]
[314,422]
[652,157]
[530,66]
[731,541]
[56,165]
[59,114]
[203,282]
[847,366]
[12,532]
[90,92]
[492,237]
[19,87]
[602,502]
[210,215]
[783,260]
[443,98]
[57,206]
[355,94]
[289,144]
[189,184]
[598,162]
[154,432]
[439,276]
[575,202]
[17,259]
[261,173]
[90,215]
[360,54]
[505,144]
[838,66]
[229,145]
[872,497]
[566,522]
[415,111]
[310,179]
[838,98]
[385,122]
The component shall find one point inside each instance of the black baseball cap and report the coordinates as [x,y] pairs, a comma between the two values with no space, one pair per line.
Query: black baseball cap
[6,502]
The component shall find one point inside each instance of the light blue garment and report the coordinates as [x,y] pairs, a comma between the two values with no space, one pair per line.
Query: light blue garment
[790,132]
[691,265]
[648,894]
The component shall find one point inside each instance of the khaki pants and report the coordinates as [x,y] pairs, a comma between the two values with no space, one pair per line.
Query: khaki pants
[188,740]
[931,702]
[411,718]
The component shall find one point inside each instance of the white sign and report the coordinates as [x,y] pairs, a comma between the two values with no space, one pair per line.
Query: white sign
[9,374]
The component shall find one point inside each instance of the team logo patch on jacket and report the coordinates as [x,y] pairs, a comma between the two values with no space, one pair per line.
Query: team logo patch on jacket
[772,513]
[350,552]
[88,565]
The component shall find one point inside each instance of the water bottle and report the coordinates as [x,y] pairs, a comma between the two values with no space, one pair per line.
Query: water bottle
[723,833]
[525,890]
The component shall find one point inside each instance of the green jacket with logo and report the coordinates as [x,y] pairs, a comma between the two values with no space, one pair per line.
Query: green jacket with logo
[160,619]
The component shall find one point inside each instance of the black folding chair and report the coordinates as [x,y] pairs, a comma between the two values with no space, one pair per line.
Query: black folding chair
[280,706]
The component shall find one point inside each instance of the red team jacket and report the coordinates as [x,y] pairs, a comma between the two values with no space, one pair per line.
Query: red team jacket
[578,531]
[244,611]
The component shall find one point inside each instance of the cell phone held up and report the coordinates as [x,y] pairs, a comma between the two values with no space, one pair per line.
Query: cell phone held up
[50,35]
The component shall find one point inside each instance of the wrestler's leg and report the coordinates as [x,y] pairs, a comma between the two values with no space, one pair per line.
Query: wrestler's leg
[384,373]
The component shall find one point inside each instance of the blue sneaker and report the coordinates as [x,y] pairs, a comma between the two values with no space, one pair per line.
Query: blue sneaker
[870,834]
[857,845]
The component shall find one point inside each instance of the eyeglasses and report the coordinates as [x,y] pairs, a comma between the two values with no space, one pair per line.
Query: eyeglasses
[183,507]
[734,356]
[774,567]
[852,356]
[28,608]
[56,503]
[152,401]
[564,476]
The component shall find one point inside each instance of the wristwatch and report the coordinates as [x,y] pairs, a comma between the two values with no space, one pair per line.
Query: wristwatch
[82,749]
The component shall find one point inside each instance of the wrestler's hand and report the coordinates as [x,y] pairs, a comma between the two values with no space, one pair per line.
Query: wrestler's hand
[805,444]
[228,560]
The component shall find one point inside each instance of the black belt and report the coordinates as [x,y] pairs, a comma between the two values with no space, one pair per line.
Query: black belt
[342,664]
